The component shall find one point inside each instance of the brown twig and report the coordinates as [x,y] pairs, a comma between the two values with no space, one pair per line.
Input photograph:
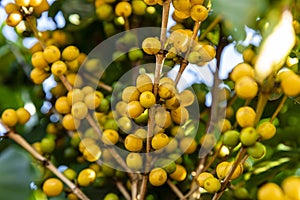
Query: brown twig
[216,21]
[278,109]
[175,190]
[123,190]
[48,164]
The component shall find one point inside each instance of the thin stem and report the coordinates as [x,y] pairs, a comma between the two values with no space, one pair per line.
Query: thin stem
[126,24]
[261,104]
[175,190]
[99,83]
[278,109]
[238,160]
[66,83]
[48,164]
[164,24]
[123,190]
[37,34]
[210,27]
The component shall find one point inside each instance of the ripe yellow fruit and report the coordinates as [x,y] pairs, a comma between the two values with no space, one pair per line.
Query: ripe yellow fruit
[134,161]
[23,115]
[110,137]
[133,143]
[9,117]
[35,3]
[270,191]
[159,141]
[180,115]
[62,106]
[43,6]
[123,9]
[266,130]
[291,187]
[70,123]
[151,45]
[173,103]
[245,116]
[202,177]
[79,110]
[130,93]
[74,96]
[158,176]
[58,68]
[240,70]
[53,187]
[134,109]
[166,90]
[291,84]
[86,177]
[70,53]
[179,174]
[212,185]
[38,75]
[248,55]
[246,87]
[187,98]
[51,54]
[144,83]
[162,118]
[147,99]
[199,13]
[188,145]
[224,168]
[38,60]
[24,3]
[10,7]
[92,153]
[92,100]
[14,18]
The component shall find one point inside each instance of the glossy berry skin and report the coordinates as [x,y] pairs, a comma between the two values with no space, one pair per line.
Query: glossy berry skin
[257,151]
[151,45]
[199,13]
[58,68]
[133,143]
[158,176]
[212,185]
[62,106]
[144,83]
[246,87]
[291,187]
[70,53]
[270,191]
[79,110]
[134,109]
[111,196]
[248,136]
[245,116]
[23,115]
[202,177]
[130,93]
[134,161]
[110,137]
[241,70]
[266,130]
[159,141]
[47,145]
[188,145]
[123,9]
[179,174]
[231,138]
[86,177]
[147,99]
[53,187]
[38,60]
[9,117]
[51,54]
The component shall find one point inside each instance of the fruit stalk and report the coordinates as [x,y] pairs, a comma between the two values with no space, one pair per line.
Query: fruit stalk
[123,190]
[262,102]
[48,164]
[216,21]
[175,190]
[278,109]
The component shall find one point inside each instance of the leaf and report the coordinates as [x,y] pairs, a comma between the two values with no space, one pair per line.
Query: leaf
[237,14]
[16,174]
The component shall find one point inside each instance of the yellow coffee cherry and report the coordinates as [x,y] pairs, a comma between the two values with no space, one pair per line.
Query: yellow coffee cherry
[266,130]
[42,7]
[187,98]
[166,80]
[74,79]
[62,106]
[245,116]
[179,174]
[134,109]
[51,54]
[70,123]
[237,172]
[92,153]
[212,185]
[38,60]
[92,100]
[121,107]
[123,9]
[199,13]
[290,84]
[270,191]
[79,110]
[202,177]
[158,176]
[290,186]
[166,90]
[151,45]
[86,177]
[163,118]
[222,169]
[224,125]
[14,18]
[10,7]
[144,83]
[130,93]
[110,137]
[133,143]
[246,87]
[58,68]
[188,145]
[147,99]
[134,161]
[240,70]
[87,89]
[208,140]
[73,65]
[180,115]
[9,117]
[53,187]
[72,196]
[159,141]
[23,115]
[74,96]
[248,55]
[24,3]
[35,3]
[141,133]
[70,53]
[173,103]
[38,75]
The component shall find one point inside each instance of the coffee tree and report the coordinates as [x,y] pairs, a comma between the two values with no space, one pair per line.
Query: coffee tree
[126,100]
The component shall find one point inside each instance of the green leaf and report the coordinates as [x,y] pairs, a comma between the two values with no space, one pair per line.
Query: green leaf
[16,174]
[237,14]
